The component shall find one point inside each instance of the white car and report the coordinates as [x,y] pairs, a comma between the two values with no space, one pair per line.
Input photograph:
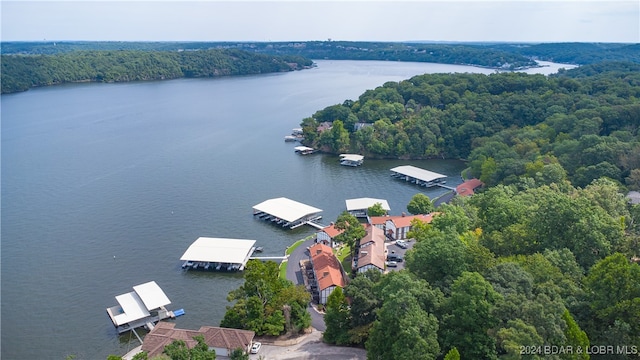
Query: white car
[402,244]
[256,347]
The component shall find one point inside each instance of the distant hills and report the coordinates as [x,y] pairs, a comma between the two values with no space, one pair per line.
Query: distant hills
[29,64]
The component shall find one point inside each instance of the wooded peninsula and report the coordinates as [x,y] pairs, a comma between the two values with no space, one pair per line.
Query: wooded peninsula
[33,64]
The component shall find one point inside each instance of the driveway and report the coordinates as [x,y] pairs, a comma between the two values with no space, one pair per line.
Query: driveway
[295,275]
[311,348]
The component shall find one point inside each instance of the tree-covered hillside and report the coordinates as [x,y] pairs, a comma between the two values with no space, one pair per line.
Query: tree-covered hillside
[21,72]
[581,124]
[515,272]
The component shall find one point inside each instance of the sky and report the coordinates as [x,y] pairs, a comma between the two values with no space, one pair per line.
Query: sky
[306,20]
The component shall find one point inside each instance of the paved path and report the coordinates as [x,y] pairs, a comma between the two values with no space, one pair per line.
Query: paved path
[294,274]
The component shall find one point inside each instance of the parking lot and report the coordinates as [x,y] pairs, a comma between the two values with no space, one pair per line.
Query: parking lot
[311,348]
[392,248]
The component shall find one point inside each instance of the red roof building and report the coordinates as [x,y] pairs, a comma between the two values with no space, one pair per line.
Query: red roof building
[371,251]
[327,270]
[397,227]
[467,187]
[222,340]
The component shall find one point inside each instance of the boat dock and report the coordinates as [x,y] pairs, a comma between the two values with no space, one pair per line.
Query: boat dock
[304,150]
[218,254]
[419,176]
[315,224]
[143,307]
[351,159]
[286,212]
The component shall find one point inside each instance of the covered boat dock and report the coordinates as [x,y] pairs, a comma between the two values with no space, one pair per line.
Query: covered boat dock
[144,306]
[304,150]
[358,207]
[351,159]
[208,253]
[417,175]
[286,212]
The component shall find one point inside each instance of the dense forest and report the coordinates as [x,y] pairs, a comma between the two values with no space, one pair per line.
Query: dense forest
[21,72]
[533,271]
[482,54]
[334,50]
[580,124]
[28,64]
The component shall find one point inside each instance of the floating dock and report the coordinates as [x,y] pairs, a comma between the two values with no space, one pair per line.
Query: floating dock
[219,254]
[304,150]
[142,307]
[351,159]
[286,212]
[418,176]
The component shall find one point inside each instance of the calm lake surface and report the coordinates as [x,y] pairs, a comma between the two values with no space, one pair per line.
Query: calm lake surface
[104,186]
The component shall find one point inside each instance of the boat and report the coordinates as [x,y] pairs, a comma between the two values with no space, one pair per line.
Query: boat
[259,249]
[290,138]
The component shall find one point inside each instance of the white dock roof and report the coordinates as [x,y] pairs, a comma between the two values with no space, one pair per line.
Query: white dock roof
[132,308]
[302,148]
[222,250]
[417,173]
[151,295]
[351,157]
[286,209]
[365,203]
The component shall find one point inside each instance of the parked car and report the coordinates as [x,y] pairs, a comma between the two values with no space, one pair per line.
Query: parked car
[256,347]
[392,264]
[394,257]
[401,243]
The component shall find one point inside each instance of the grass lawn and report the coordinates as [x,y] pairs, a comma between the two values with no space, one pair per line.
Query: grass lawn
[343,255]
[283,265]
[283,269]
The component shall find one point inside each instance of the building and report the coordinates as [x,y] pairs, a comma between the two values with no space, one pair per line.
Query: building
[222,340]
[328,234]
[378,221]
[467,187]
[359,207]
[328,273]
[397,227]
[371,252]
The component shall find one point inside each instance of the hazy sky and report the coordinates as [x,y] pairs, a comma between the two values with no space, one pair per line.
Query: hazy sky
[473,20]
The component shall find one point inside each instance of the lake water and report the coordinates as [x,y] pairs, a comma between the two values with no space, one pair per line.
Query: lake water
[104,186]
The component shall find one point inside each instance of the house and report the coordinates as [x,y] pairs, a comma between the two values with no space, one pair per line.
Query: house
[467,187]
[371,251]
[397,227]
[327,271]
[222,340]
[378,221]
[328,234]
